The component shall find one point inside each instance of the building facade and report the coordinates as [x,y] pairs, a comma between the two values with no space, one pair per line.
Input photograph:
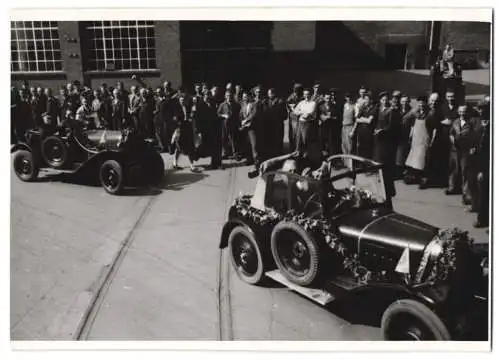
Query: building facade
[51,53]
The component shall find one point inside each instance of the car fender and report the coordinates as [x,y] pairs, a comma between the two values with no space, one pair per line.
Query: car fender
[20,146]
[96,160]
[228,227]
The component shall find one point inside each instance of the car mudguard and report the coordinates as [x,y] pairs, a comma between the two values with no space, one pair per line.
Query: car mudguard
[93,163]
[230,225]
[20,146]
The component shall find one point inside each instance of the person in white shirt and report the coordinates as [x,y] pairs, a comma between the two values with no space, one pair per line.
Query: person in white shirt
[306,112]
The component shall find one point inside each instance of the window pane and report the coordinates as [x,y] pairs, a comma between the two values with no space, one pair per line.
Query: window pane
[107,33]
[109,54]
[31,56]
[49,55]
[32,66]
[143,54]
[151,53]
[99,44]
[57,55]
[127,64]
[42,66]
[115,33]
[150,42]
[54,34]
[58,66]
[135,64]
[151,63]
[144,63]
[109,44]
[46,24]
[142,43]
[14,66]
[50,66]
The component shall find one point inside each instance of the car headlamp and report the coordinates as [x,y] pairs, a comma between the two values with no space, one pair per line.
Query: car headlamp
[435,248]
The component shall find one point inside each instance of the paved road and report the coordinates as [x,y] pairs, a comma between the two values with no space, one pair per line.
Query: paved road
[149,267]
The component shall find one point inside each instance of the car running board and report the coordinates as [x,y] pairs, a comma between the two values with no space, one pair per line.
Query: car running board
[317,295]
[337,287]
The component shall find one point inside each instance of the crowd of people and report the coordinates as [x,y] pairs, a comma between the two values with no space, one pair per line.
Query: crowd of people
[437,142]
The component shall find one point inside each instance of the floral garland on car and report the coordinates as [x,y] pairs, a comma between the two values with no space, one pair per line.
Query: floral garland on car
[320,227]
[456,246]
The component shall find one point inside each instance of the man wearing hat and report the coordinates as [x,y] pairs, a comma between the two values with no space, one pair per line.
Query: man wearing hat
[292,102]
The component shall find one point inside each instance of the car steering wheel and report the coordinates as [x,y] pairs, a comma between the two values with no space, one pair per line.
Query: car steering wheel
[311,201]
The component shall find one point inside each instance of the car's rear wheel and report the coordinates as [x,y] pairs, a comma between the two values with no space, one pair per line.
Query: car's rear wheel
[111,176]
[24,166]
[245,255]
[55,152]
[295,252]
[410,320]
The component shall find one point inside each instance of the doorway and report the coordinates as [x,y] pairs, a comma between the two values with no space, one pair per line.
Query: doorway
[396,55]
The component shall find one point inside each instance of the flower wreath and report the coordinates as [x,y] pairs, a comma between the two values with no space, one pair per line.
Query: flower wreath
[456,244]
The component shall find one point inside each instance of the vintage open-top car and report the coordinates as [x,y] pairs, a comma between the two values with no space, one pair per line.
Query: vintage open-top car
[114,158]
[330,236]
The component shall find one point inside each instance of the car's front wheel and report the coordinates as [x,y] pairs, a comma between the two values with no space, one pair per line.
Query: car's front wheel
[24,166]
[111,176]
[410,320]
[245,255]
[295,252]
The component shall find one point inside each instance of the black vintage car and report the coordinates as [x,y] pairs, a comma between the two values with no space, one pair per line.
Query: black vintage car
[338,234]
[113,158]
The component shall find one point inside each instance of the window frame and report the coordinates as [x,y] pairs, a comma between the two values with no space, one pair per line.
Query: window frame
[35,48]
[105,54]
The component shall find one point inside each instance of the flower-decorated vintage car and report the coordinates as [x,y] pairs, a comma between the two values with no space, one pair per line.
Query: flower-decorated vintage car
[113,158]
[332,236]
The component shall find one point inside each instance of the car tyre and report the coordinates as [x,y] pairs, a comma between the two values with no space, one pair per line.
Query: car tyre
[24,166]
[411,320]
[111,176]
[245,255]
[296,253]
[55,152]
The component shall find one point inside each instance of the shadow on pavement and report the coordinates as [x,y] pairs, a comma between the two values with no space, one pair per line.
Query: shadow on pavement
[176,180]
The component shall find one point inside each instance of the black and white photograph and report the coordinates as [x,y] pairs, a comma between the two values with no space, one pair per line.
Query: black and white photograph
[230,180]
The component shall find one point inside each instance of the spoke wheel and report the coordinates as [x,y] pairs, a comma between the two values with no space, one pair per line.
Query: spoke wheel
[111,176]
[24,166]
[245,255]
[295,252]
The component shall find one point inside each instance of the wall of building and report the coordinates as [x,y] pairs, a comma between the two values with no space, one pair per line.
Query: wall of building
[466,35]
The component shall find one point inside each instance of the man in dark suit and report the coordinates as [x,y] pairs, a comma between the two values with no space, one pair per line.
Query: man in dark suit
[448,116]
[330,125]
[251,127]
[146,110]
[228,112]
[385,138]
[134,101]
[274,115]
[52,108]
[461,134]
[211,126]
[483,176]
